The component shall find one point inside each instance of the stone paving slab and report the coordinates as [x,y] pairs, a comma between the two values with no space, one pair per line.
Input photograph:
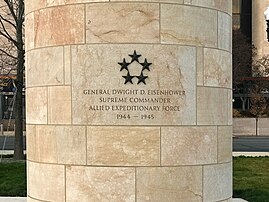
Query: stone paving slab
[13,199]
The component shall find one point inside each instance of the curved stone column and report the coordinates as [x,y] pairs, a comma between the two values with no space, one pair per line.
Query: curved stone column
[259,35]
[129,100]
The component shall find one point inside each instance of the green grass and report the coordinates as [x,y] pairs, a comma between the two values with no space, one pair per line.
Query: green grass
[13,178]
[251,178]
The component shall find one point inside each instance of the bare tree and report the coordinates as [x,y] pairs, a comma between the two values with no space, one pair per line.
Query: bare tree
[12,59]
[242,62]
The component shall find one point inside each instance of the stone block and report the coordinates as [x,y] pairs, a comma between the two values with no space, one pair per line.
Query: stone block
[200,66]
[230,107]
[157,1]
[212,106]
[223,5]
[224,31]
[263,126]
[59,105]
[224,144]
[217,182]
[217,68]
[64,2]
[188,145]
[123,146]
[67,65]
[244,126]
[100,184]
[61,144]
[31,142]
[46,181]
[171,77]
[29,31]
[52,23]
[46,67]
[169,184]
[125,23]
[179,25]
[32,5]
[37,105]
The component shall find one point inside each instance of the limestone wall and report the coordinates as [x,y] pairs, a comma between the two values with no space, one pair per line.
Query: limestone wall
[247,127]
[99,129]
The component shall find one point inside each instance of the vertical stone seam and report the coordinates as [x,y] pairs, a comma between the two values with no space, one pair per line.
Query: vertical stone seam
[203,65]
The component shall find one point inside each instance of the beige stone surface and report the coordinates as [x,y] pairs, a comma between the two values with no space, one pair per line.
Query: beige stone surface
[200,66]
[59,107]
[64,2]
[224,5]
[158,1]
[230,107]
[217,68]
[179,25]
[224,144]
[259,35]
[45,67]
[263,126]
[188,145]
[61,144]
[172,69]
[29,199]
[31,142]
[31,5]
[123,146]
[37,105]
[217,182]
[244,126]
[61,25]
[212,106]
[99,184]
[67,65]
[46,181]
[29,31]
[125,23]
[169,184]
[224,31]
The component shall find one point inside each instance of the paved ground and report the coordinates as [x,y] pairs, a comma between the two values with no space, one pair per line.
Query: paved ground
[251,144]
[9,142]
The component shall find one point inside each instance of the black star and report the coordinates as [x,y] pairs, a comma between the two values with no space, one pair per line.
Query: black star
[134,57]
[141,78]
[124,65]
[146,65]
[128,78]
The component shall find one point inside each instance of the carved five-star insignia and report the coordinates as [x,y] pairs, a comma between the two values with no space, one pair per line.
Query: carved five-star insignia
[141,78]
[146,65]
[128,78]
[135,58]
[124,65]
